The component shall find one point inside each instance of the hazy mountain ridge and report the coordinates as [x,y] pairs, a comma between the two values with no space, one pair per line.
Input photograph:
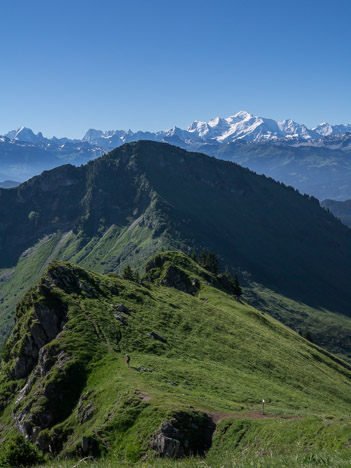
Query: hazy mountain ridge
[9,184]
[340,209]
[321,168]
[21,159]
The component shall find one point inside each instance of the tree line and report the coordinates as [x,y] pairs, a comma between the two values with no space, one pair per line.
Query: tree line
[207,260]
[210,262]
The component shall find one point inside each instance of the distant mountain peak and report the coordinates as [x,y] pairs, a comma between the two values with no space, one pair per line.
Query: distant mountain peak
[243,115]
[92,133]
[25,134]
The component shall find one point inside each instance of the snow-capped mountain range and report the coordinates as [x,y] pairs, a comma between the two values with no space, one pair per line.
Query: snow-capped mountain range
[315,161]
[241,126]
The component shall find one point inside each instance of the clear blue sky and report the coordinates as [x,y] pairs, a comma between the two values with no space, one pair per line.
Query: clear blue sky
[66,66]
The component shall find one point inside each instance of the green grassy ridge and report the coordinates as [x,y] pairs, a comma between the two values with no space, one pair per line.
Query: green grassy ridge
[99,252]
[263,443]
[334,459]
[219,354]
[17,281]
[330,330]
[286,242]
[118,247]
[262,437]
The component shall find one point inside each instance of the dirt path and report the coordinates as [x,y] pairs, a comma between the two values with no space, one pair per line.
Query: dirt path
[217,416]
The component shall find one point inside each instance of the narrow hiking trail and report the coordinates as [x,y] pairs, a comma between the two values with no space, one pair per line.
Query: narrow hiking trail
[218,416]
[128,371]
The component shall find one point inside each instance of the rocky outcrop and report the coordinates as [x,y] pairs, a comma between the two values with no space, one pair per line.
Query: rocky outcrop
[121,319]
[156,336]
[186,434]
[37,356]
[85,409]
[156,262]
[46,323]
[53,378]
[168,441]
[48,356]
[122,313]
[39,407]
[121,308]
[176,278]
[169,270]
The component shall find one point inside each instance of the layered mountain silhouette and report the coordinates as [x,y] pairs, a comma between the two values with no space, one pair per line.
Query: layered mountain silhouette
[340,209]
[321,168]
[145,196]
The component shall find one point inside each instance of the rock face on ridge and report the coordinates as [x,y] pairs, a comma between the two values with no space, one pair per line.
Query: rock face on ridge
[48,378]
[46,325]
[184,435]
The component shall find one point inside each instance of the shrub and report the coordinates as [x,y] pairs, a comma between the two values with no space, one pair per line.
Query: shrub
[17,452]
[5,352]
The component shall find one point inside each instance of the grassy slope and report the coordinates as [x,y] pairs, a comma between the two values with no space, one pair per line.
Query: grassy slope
[227,460]
[103,255]
[16,281]
[331,330]
[222,355]
[132,244]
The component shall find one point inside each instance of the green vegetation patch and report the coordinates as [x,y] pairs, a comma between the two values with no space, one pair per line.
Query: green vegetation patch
[195,356]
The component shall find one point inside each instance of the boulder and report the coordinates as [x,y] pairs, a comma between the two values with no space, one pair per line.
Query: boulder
[156,336]
[186,434]
[121,308]
[121,319]
[167,441]
[176,278]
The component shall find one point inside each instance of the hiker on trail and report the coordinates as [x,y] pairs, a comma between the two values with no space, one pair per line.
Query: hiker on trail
[128,359]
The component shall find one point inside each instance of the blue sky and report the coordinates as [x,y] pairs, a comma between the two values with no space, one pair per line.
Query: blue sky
[66,66]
